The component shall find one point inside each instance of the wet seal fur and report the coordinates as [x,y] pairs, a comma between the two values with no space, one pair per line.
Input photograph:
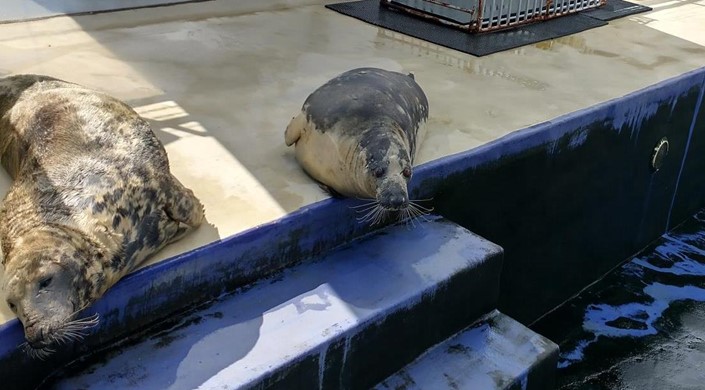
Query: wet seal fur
[92,197]
[358,135]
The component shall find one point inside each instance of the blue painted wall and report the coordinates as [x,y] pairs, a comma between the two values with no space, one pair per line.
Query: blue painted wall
[572,198]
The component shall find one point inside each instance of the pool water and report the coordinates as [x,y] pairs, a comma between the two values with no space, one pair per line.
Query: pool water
[643,325]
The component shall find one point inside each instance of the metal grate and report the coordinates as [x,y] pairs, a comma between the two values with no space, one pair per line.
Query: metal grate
[491,15]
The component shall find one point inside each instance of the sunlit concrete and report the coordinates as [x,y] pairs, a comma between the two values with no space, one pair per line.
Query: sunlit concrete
[219,83]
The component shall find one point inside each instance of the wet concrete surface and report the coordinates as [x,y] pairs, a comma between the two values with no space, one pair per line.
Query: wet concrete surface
[643,325]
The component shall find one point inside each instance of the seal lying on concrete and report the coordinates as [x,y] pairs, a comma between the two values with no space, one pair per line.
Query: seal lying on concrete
[358,135]
[92,197]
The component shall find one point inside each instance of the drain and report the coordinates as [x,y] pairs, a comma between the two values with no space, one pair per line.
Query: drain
[659,154]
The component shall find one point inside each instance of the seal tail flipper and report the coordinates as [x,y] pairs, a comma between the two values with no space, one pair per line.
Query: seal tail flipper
[295,129]
[183,207]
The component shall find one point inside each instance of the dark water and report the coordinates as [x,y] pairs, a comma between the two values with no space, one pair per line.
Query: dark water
[642,326]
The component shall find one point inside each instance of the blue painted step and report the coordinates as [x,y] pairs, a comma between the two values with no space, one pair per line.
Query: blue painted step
[495,353]
[347,321]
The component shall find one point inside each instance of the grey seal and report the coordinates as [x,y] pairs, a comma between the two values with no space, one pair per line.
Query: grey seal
[358,135]
[92,197]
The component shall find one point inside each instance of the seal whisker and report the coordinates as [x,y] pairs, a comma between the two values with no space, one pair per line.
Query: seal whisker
[76,312]
[72,332]
[59,339]
[408,219]
[89,321]
[74,336]
[372,214]
[75,328]
[376,217]
[419,213]
[415,210]
[412,214]
[367,208]
[368,202]
[36,353]
[415,204]
[380,215]
[422,200]
[367,215]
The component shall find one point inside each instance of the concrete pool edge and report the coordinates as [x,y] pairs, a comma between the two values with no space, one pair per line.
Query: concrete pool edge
[160,290]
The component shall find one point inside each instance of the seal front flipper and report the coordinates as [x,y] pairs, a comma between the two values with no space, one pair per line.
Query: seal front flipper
[295,129]
[333,193]
[183,207]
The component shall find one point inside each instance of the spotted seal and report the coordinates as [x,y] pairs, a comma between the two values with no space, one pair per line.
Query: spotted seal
[92,197]
[358,135]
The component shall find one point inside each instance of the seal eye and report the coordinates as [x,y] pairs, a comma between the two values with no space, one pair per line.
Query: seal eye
[406,172]
[44,283]
[12,306]
[379,172]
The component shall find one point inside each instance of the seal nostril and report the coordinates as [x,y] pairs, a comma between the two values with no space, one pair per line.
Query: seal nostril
[397,201]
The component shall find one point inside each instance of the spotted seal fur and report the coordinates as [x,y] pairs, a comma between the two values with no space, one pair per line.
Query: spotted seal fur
[92,197]
[358,135]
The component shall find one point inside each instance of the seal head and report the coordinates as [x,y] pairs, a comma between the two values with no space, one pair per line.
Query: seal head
[48,288]
[388,165]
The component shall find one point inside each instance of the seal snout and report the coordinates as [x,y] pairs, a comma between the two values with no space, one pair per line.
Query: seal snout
[35,335]
[393,197]
[395,201]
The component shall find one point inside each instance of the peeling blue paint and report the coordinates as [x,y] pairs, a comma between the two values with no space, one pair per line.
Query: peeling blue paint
[524,381]
[687,150]
[633,114]
[322,366]
[577,139]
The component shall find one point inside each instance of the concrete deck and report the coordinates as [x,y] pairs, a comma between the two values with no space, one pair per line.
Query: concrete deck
[220,80]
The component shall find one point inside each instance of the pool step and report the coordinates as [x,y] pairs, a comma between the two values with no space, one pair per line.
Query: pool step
[495,353]
[346,321]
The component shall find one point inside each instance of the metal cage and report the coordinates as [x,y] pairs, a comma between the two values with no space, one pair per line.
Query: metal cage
[491,15]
